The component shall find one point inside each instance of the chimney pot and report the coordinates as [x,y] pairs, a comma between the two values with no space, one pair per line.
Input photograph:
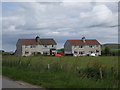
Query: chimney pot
[37,39]
[84,39]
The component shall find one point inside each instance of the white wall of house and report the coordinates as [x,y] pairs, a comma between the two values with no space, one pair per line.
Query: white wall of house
[28,50]
[86,49]
[81,50]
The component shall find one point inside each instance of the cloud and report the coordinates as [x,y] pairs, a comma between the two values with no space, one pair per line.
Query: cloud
[99,16]
[60,21]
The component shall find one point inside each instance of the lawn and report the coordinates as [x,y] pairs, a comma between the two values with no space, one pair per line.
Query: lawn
[63,72]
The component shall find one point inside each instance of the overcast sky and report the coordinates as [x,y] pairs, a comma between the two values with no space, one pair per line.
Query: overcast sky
[59,20]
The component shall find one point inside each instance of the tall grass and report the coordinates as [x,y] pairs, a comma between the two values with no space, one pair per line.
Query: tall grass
[63,72]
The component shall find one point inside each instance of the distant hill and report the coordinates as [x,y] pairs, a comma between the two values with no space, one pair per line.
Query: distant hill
[111,46]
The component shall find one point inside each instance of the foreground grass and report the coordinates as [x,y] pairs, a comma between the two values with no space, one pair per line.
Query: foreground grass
[36,71]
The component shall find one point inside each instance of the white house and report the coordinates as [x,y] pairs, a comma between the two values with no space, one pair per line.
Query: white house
[30,47]
[82,47]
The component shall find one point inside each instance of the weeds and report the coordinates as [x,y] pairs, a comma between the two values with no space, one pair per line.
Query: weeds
[61,73]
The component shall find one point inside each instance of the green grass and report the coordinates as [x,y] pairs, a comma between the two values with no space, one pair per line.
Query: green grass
[62,72]
[115,50]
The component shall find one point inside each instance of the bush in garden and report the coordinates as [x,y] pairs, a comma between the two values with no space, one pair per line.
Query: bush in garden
[93,70]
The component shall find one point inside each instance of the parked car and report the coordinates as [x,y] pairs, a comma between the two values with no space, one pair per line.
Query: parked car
[58,55]
[93,54]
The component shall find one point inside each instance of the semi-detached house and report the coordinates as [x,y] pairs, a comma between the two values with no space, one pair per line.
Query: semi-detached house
[82,47]
[30,47]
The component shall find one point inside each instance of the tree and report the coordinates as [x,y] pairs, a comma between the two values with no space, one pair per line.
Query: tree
[107,51]
[62,49]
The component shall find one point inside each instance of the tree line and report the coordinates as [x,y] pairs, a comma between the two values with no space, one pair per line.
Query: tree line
[108,52]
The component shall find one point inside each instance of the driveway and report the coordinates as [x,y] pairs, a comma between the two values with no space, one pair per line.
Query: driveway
[9,83]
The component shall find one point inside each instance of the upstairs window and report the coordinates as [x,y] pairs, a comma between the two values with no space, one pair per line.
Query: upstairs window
[45,45]
[75,46]
[91,46]
[97,45]
[26,46]
[33,46]
[52,45]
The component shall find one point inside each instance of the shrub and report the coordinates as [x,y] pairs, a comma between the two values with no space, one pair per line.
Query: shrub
[93,70]
[5,53]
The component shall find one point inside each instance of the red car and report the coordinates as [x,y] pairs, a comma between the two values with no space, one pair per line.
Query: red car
[58,55]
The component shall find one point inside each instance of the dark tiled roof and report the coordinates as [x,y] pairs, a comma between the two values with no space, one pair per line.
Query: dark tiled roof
[34,42]
[48,41]
[87,42]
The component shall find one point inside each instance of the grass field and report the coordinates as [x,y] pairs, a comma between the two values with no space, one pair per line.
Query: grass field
[64,72]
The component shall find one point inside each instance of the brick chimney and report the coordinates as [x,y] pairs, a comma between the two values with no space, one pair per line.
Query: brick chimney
[37,39]
[84,39]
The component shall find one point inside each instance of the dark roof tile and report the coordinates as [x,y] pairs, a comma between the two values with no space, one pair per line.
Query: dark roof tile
[34,42]
[80,42]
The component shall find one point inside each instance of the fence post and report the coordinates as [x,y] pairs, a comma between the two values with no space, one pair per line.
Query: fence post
[48,66]
[61,66]
[100,73]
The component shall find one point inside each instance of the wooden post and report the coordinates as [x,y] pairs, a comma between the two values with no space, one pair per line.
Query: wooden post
[61,66]
[48,66]
[29,64]
[20,62]
[100,73]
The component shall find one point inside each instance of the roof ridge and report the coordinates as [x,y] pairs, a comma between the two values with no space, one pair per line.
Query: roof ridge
[85,39]
[33,38]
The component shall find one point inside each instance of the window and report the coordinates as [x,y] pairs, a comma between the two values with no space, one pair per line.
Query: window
[38,52]
[52,45]
[80,46]
[26,52]
[33,53]
[97,45]
[33,46]
[26,46]
[75,52]
[91,46]
[45,45]
[97,51]
[81,52]
[75,46]
[91,52]
[53,52]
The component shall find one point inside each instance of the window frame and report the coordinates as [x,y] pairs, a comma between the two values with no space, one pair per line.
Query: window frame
[26,52]
[91,46]
[45,46]
[81,46]
[33,46]
[52,45]
[81,52]
[26,46]
[75,52]
[97,45]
